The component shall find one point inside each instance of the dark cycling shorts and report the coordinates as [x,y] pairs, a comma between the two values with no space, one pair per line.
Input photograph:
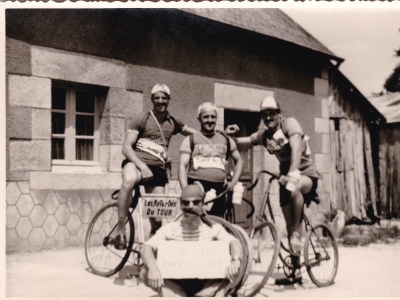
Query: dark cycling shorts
[285,197]
[218,208]
[160,177]
[193,286]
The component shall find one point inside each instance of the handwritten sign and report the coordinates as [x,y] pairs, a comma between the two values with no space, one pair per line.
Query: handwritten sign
[208,162]
[160,206]
[202,259]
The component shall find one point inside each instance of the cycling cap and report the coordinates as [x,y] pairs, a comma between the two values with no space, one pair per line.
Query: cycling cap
[206,105]
[192,191]
[159,87]
[269,103]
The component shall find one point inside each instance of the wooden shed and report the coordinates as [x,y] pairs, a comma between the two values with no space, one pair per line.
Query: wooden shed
[389,154]
[354,152]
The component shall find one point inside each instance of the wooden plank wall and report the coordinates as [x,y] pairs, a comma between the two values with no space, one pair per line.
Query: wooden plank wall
[353,176]
[389,167]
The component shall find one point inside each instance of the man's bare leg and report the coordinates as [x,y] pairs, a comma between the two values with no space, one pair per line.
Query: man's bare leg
[292,211]
[155,223]
[130,177]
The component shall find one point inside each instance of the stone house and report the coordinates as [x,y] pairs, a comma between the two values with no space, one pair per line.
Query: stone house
[76,78]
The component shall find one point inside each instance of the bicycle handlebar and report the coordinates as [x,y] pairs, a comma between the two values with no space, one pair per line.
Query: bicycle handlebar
[249,215]
[272,174]
[218,196]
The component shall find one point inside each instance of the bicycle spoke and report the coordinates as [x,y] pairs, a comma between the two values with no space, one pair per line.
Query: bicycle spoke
[321,256]
[265,251]
[101,254]
[230,228]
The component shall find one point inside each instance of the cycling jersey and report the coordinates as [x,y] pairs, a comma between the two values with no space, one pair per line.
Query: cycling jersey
[208,159]
[279,145]
[150,146]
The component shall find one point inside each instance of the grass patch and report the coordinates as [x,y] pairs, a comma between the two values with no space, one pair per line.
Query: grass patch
[363,235]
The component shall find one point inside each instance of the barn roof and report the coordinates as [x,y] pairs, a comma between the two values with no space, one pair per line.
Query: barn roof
[267,21]
[388,105]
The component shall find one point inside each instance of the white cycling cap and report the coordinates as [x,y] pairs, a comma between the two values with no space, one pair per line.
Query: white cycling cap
[159,87]
[269,103]
[206,105]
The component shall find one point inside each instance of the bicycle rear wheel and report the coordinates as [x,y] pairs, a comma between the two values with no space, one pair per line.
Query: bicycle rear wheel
[230,228]
[265,248]
[101,256]
[249,256]
[321,255]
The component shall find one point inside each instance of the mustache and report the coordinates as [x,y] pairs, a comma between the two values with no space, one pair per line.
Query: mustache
[195,211]
[199,212]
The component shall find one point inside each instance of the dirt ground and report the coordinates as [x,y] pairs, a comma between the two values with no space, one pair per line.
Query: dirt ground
[363,271]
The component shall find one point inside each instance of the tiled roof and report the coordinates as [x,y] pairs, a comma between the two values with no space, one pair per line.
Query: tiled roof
[267,21]
[388,105]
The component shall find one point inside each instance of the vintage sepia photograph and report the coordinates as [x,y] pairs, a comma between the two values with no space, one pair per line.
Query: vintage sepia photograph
[202,151]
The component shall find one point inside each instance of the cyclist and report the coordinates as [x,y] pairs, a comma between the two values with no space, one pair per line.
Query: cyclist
[145,148]
[191,227]
[203,157]
[285,138]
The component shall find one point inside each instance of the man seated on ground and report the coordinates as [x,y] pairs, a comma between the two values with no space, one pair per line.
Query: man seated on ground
[203,157]
[193,226]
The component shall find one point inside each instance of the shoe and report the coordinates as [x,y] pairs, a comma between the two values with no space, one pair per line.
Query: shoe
[289,281]
[295,242]
[120,242]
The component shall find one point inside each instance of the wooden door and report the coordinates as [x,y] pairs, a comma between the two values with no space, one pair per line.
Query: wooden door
[248,123]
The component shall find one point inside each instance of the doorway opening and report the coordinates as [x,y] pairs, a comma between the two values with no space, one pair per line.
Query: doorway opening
[248,123]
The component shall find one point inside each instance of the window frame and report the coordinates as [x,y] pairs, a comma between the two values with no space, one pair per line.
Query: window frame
[69,135]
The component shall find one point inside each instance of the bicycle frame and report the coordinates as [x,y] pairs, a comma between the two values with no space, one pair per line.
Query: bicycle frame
[262,216]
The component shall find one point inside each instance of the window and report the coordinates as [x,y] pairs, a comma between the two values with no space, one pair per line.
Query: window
[74,125]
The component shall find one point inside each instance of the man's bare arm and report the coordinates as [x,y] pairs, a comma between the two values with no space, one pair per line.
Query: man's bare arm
[188,130]
[184,159]
[239,165]
[154,275]
[242,141]
[130,154]
[236,251]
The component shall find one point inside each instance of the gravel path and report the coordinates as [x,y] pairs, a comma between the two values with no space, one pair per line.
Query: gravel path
[363,271]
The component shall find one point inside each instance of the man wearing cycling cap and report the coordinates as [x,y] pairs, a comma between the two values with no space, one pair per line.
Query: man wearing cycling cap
[286,140]
[203,157]
[190,227]
[145,148]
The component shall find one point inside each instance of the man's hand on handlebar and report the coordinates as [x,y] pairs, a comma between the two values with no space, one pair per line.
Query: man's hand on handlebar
[228,185]
[232,129]
[283,180]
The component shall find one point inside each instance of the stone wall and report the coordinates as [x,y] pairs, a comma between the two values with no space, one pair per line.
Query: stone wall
[52,209]
[45,219]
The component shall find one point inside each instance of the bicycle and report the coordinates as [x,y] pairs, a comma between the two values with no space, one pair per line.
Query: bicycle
[263,250]
[320,248]
[104,260]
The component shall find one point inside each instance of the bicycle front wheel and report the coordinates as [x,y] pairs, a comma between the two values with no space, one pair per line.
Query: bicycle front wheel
[321,255]
[250,254]
[101,256]
[265,249]
[230,228]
